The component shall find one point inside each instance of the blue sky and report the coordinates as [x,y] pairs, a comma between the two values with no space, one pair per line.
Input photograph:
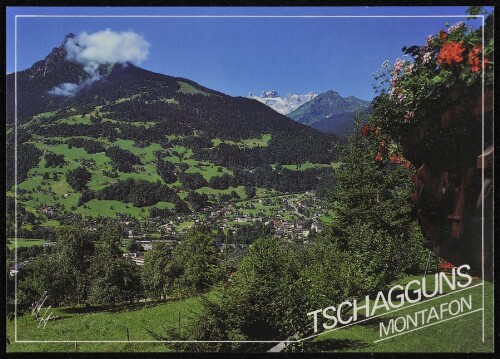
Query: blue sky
[246,54]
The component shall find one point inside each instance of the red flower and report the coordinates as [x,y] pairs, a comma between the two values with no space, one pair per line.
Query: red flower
[451,53]
[443,35]
[366,130]
[444,266]
[378,157]
[474,62]
[475,51]
[395,158]
[406,163]
[400,160]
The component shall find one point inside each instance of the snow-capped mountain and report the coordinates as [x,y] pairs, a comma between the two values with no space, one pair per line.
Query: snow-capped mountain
[283,105]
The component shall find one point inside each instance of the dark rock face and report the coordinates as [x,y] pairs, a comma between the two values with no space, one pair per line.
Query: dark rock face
[36,82]
[453,200]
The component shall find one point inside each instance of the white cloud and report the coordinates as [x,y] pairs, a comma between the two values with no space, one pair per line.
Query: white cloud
[107,47]
[101,48]
[65,89]
[70,89]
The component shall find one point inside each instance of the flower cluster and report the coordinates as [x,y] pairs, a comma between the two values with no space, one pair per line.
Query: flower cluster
[416,89]
[390,153]
[455,57]
[456,27]
[474,62]
[401,69]
[408,116]
[385,151]
[451,53]
[426,57]
[367,130]
[400,160]
[454,47]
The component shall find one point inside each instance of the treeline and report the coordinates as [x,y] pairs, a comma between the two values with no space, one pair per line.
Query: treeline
[216,115]
[282,148]
[32,87]
[123,160]
[277,282]
[237,117]
[192,180]
[104,129]
[54,160]
[140,193]
[275,279]
[81,269]
[90,268]
[28,157]
[222,182]
[166,170]
[125,81]
[89,146]
[193,142]
[281,179]
[78,178]
[26,253]
[112,131]
[245,233]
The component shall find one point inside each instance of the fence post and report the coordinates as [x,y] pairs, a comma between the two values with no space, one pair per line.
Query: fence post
[179,320]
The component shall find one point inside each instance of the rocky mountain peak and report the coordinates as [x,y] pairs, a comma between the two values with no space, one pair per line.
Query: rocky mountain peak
[283,105]
[53,62]
[269,94]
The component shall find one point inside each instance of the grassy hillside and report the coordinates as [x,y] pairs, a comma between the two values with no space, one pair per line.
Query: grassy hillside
[145,126]
[462,334]
[47,186]
[72,324]
[459,335]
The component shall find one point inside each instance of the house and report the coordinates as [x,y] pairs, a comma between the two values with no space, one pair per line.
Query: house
[315,226]
[138,261]
[147,245]
[17,267]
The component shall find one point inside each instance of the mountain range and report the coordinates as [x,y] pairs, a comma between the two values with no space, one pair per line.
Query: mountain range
[122,139]
[327,112]
[283,105]
[331,113]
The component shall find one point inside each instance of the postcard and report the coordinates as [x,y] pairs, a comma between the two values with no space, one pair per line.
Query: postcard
[249,179]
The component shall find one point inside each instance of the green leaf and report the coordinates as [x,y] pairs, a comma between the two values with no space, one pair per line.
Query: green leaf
[437,80]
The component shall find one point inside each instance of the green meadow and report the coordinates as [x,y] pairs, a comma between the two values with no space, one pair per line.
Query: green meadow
[459,334]
[23,242]
[76,324]
[462,334]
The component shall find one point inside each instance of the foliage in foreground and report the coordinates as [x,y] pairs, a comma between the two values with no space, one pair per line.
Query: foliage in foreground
[372,242]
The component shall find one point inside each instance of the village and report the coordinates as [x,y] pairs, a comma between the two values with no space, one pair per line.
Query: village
[291,216]
[294,217]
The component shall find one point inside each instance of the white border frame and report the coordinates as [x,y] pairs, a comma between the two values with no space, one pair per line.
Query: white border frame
[482,17]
